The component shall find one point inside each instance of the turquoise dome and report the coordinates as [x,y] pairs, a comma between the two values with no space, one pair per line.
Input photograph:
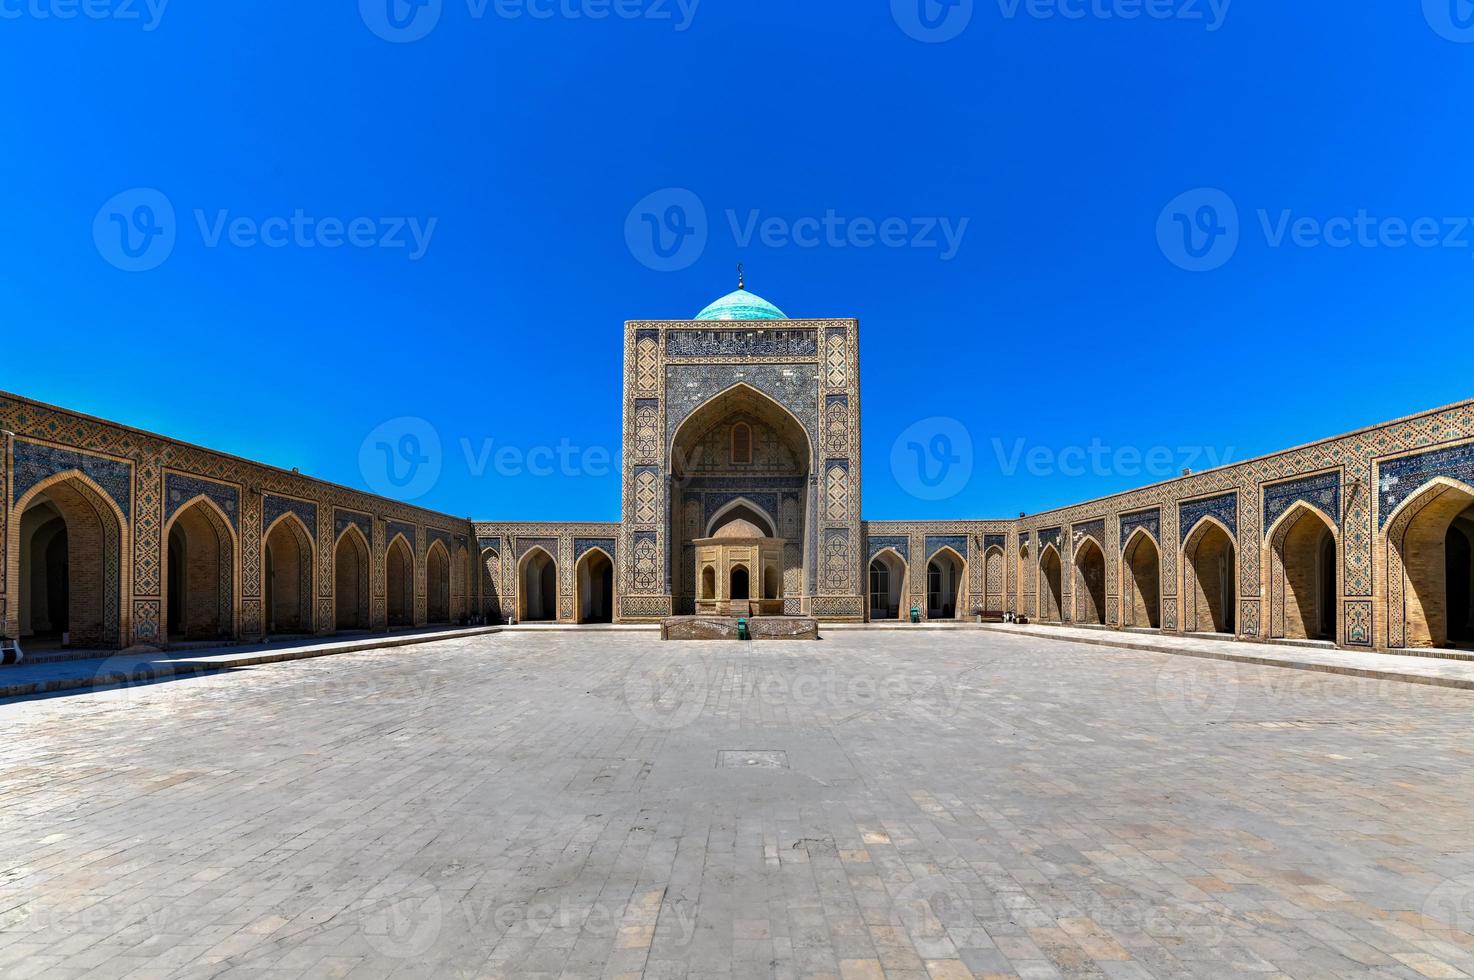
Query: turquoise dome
[741,305]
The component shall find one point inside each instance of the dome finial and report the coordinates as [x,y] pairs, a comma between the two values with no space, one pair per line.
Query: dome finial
[740,284]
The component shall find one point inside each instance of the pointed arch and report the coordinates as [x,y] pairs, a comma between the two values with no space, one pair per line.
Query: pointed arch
[537,586]
[437,584]
[1090,575]
[1210,578]
[593,587]
[707,407]
[1302,573]
[1051,585]
[1418,539]
[199,556]
[742,507]
[287,561]
[888,576]
[491,585]
[946,584]
[1141,581]
[351,579]
[399,582]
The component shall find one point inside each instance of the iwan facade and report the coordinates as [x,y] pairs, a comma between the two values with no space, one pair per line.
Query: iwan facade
[741,493]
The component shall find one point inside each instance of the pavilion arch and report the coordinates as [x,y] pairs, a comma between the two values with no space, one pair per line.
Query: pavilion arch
[537,587]
[199,555]
[1430,581]
[1051,585]
[888,585]
[437,584]
[1090,582]
[1302,567]
[593,587]
[994,584]
[1209,578]
[1141,581]
[491,585]
[351,580]
[286,576]
[67,538]
[946,585]
[399,582]
[739,587]
[742,509]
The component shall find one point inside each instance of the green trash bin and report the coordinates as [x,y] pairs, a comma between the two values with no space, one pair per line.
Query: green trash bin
[742,633]
[915,614]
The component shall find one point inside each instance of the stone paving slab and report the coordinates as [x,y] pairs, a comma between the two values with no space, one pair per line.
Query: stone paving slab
[56,676]
[949,804]
[1383,666]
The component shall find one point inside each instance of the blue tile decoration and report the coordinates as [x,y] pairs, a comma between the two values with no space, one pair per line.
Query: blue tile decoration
[582,546]
[35,462]
[492,544]
[713,502]
[180,489]
[1050,535]
[741,343]
[900,542]
[1224,508]
[274,505]
[1400,478]
[1094,529]
[1151,520]
[794,386]
[751,483]
[391,528]
[343,518]
[433,534]
[957,542]
[995,541]
[524,545]
[1323,490]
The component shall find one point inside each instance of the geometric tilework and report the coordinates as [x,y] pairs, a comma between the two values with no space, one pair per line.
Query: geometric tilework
[957,542]
[1322,490]
[35,462]
[1401,477]
[180,489]
[433,534]
[392,528]
[343,518]
[275,505]
[1151,520]
[899,542]
[1224,509]
[581,546]
[1090,529]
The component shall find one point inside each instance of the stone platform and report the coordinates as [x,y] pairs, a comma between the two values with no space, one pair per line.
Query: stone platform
[725,628]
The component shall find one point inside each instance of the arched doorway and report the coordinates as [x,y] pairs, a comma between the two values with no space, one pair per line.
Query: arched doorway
[1141,594]
[994,563]
[351,580]
[1303,586]
[68,538]
[399,583]
[537,593]
[437,584]
[1051,586]
[491,586]
[944,585]
[887,585]
[708,583]
[199,574]
[741,590]
[1090,574]
[1210,579]
[594,587]
[740,456]
[287,570]
[1429,538]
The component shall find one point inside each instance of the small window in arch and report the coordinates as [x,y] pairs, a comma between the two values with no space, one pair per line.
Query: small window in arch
[741,444]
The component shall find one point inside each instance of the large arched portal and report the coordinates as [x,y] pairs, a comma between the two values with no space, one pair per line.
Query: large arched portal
[437,585]
[351,580]
[1210,579]
[68,537]
[594,587]
[1051,586]
[399,583]
[287,570]
[1303,587]
[887,585]
[1090,575]
[1141,594]
[1429,539]
[537,587]
[945,585]
[741,457]
[199,562]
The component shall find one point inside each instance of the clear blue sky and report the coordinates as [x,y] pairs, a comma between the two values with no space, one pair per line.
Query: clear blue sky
[1061,320]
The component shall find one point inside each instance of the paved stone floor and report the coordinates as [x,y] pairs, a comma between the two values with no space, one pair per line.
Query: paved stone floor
[875,805]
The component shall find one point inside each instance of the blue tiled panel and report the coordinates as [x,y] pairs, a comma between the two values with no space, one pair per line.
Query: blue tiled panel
[581,546]
[995,541]
[1400,478]
[794,386]
[715,501]
[957,542]
[749,483]
[747,342]
[524,545]
[900,542]
[343,518]
[34,463]
[1322,490]
[391,528]
[495,544]
[1095,529]
[1224,508]
[274,506]
[1049,535]
[180,490]
[1149,519]
[433,534]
